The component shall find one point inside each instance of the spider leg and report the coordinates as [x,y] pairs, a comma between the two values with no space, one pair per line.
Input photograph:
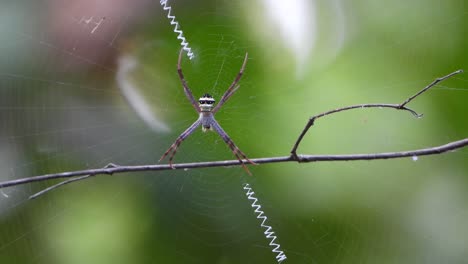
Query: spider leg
[232,92]
[178,141]
[233,87]
[187,90]
[241,161]
[237,152]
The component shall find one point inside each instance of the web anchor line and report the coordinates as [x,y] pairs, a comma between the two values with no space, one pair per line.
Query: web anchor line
[269,233]
[180,36]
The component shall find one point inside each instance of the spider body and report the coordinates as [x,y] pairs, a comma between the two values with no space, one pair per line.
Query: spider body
[206,109]
[206,121]
[206,103]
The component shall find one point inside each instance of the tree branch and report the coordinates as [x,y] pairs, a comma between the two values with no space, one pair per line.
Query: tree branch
[436,81]
[225,163]
[110,169]
[312,119]
[401,106]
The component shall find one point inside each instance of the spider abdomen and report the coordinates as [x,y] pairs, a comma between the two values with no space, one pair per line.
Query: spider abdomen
[206,121]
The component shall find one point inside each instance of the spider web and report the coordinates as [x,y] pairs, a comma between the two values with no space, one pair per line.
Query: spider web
[87,83]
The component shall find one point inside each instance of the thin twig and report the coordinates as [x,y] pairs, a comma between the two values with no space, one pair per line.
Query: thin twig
[312,119]
[84,177]
[48,189]
[436,81]
[401,106]
[225,163]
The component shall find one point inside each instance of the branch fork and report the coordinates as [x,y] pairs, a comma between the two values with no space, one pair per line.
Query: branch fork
[401,106]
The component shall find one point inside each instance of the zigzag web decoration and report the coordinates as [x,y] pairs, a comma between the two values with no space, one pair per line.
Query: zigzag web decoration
[180,36]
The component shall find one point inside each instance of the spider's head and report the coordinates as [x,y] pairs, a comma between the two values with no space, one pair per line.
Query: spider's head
[206,102]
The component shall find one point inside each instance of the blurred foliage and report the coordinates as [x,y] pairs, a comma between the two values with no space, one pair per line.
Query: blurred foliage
[64,110]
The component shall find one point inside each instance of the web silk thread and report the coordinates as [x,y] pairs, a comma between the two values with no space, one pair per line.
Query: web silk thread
[269,234]
[180,36]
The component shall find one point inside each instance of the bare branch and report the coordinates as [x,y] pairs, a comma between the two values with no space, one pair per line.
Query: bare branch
[436,81]
[225,163]
[60,184]
[401,106]
[312,119]
[110,169]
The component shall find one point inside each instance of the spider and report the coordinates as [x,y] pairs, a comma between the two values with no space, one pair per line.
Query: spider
[206,119]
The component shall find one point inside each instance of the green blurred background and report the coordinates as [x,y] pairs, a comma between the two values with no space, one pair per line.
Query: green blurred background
[85,83]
